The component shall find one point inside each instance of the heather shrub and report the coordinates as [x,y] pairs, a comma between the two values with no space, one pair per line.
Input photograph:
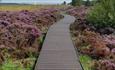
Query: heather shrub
[105,65]
[20,36]
[97,47]
[103,14]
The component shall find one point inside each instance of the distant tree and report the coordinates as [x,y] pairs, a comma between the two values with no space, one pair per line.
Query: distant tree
[64,3]
[93,2]
[76,2]
[79,2]
[98,0]
[88,3]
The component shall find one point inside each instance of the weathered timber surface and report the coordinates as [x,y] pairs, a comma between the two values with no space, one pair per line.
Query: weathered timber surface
[58,52]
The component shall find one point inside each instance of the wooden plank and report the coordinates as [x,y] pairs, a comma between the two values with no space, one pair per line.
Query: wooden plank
[58,52]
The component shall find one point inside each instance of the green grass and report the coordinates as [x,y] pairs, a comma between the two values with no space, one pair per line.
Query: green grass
[86,62]
[24,64]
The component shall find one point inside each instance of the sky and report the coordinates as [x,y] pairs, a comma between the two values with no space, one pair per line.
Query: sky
[36,1]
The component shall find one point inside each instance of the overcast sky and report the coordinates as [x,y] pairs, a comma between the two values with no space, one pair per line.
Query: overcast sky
[36,1]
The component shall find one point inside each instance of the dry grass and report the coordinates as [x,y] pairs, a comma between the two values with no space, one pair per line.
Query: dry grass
[27,7]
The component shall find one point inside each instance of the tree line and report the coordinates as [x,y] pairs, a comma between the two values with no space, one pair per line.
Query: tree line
[87,2]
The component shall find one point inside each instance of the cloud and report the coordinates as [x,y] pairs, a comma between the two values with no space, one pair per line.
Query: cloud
[37,1]
[53,1]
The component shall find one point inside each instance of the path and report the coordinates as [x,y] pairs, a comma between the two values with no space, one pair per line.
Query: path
[58,52]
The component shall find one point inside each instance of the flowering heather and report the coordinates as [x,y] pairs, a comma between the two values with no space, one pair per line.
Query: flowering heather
[105,65]
[20,31]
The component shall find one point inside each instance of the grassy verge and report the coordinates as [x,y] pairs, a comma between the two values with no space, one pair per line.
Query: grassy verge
[86,62]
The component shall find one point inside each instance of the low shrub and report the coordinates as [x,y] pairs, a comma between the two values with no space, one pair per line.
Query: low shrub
[103,14]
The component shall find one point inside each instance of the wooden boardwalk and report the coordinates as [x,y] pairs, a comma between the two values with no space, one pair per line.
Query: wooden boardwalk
[58,52]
